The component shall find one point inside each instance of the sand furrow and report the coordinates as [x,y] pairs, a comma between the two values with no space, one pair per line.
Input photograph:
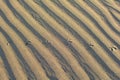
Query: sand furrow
[72,23]
[3,72]
[59,40]
[103,25]
[112,4]
[12,59]
[35,42]
[56,43]
[93,27]
[21,46]
[107,14]
[62,32]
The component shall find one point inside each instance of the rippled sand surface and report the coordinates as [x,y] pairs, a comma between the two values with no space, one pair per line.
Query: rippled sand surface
[59,39]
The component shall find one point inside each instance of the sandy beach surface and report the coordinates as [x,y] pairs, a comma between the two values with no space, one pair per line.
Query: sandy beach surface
[59,39]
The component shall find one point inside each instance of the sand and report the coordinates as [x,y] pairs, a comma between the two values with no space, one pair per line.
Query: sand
[59,40]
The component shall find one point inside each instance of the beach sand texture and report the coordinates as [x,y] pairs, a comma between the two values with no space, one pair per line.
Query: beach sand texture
[59,39]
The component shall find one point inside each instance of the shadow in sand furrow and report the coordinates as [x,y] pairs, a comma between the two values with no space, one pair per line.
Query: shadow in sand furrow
[115,17]
[101,62]
[90,4]
[62,59]
[91,73]
[96,23]
[105,18]
[25,66]
[89,16]
[104,47]
[105,3]
[49,71]
[76,54]
[111,26]
[54,31]
[80,59]
[86,27]
[40,37]
[6,63]
[44,42]
[65,65]
[93,53]
[11,25]
[22,61]
[92,19]
[88,30]
[23,21]
[103,65]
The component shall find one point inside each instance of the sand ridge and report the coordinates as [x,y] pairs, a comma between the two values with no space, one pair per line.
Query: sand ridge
[59,40]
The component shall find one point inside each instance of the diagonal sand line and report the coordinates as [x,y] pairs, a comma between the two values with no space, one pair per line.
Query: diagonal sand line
[3,72]
[31,60]
[55,41]
[107,14]
[99,71]
[12,59]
